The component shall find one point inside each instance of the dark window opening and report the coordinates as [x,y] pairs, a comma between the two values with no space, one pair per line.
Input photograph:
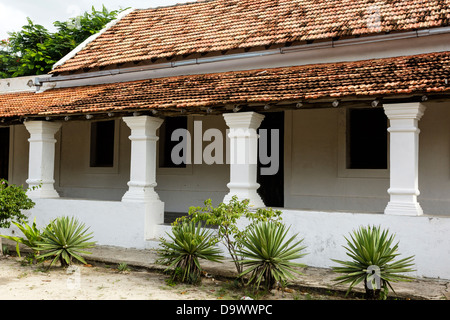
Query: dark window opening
[166,145]
[4,153]
[102,144]
[367,146]
[271,187]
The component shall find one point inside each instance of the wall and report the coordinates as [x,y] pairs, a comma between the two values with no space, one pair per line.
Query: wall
[424,237]
[313,178]
[191,186]
[178,188]
[316,180]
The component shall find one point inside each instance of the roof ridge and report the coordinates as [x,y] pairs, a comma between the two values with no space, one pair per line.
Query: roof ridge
[179,4]
[86,42]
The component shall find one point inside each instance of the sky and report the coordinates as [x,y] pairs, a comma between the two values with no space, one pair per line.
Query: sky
[13,14]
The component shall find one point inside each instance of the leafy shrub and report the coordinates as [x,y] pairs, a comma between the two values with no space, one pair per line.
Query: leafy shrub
[13,200]
[373,253]
[190,242]
[268,256]
[31,236]
[64,239]
[225,217]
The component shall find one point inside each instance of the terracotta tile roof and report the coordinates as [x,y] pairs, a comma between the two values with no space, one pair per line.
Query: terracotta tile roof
[221,25]
[419,74]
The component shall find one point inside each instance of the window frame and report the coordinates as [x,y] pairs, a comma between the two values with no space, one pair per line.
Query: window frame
[185,170]
[343,170]
[115,166]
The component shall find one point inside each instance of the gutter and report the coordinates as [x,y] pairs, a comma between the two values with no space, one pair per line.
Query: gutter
[198,61]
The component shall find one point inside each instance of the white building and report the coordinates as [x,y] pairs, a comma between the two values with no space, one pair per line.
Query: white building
[359,94]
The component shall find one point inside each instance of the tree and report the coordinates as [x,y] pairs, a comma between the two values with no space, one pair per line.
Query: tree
[33,50]
[13,199]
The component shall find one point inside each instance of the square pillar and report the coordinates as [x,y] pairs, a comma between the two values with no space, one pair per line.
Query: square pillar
[41,163]
[143,158]
[141,187]
[404,158]
[244,156]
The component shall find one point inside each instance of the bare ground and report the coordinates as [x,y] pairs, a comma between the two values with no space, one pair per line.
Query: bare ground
[22,281]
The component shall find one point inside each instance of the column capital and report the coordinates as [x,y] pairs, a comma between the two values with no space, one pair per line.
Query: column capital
[243,120]
[402,111]
[146,125]
[42,127]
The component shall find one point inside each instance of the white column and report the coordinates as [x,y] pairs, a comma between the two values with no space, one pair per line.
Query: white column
[404,158]
[41,163]
[143,158]
[243,156]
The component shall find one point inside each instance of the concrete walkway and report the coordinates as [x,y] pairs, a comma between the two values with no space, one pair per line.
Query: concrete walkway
[313,278]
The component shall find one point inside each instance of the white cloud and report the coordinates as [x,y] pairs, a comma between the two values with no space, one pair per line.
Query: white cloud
[45,12]
[10,20]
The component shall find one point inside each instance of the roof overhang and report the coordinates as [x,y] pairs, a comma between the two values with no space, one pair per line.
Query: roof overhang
[356,83]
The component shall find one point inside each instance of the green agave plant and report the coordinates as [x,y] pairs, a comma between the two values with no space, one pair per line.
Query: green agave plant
[268,257]
[373,252]
[64,239]
[190,242]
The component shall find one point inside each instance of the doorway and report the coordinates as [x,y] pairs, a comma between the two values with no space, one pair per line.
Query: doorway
[271,180]
[4,153]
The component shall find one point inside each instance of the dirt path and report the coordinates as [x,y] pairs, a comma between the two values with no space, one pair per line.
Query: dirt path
[19,281]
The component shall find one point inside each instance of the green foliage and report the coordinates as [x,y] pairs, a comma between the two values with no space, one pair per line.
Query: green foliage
[64,239]
[225,217]
[32,236]
[33,50]
[13,199]
[268,255]
[372,249]
[190,242]
[123,267]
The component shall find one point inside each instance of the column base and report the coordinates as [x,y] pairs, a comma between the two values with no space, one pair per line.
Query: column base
[140,195]
[403,209]
[254,198]
[42,191]
[154,215]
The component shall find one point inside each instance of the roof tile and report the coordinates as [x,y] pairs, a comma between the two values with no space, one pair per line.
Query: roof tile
[220,25]
[419,74]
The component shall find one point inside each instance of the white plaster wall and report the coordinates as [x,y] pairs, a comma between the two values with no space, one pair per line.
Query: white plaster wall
[111,222]
[178,188]
[76,179]
[181,188]
[424,237]
[313,180]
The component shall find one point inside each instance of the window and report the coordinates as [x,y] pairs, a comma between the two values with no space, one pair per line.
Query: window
[102,144]
[166,145]
[367,140]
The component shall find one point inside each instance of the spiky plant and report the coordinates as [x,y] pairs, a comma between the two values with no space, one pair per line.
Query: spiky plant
[31,235]
[64,239]
[373,252]
[190,242]
[268,255]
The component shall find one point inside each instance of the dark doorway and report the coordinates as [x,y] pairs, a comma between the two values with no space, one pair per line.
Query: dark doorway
[271,179]
[4,153]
